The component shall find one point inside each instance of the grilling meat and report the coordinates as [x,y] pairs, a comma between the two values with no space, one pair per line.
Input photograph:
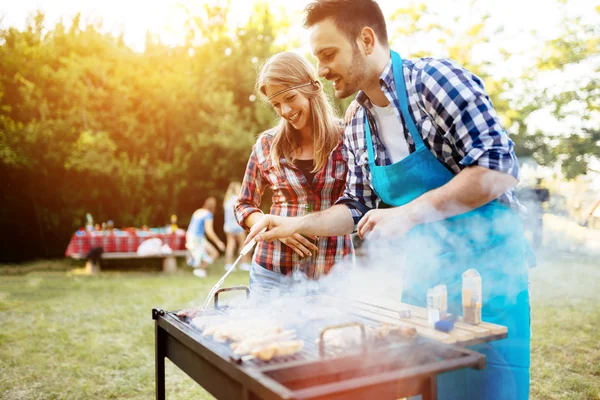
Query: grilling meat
[263,339]
[278,349]
[345,338]
[340,339]
[247,346]
[189,312]
[203,321]
[385,330]
[236,330]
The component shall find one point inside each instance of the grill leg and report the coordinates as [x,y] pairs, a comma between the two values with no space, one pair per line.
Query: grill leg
[160,363]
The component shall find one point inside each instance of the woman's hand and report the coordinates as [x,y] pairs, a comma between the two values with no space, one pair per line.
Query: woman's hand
[277,228]
[221,246]
[300,244]
[350,111]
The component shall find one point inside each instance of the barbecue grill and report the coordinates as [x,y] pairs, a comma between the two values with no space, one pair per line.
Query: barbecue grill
[390,368]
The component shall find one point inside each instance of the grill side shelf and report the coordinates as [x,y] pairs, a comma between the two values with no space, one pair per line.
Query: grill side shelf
[389,311]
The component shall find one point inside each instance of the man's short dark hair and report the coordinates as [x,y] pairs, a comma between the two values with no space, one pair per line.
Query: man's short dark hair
[349,16]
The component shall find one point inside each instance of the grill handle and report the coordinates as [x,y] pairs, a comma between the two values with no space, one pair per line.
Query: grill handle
[363,336]
[230,289]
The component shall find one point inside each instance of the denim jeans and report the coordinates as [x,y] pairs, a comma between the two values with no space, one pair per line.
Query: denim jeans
[265,284]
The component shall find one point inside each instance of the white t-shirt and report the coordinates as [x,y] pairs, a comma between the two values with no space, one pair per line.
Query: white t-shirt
[391,132]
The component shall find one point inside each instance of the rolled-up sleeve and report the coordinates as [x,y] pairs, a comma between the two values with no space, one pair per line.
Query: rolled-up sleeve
[252,190]
[458,103]
[358,195]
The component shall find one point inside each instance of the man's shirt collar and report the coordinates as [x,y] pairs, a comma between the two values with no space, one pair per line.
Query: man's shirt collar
[386,83]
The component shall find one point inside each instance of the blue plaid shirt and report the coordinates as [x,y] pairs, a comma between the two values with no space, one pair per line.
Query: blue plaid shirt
[452,112]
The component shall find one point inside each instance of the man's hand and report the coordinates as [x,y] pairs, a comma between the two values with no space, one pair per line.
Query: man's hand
[389,222]
[277,228]
[301,245]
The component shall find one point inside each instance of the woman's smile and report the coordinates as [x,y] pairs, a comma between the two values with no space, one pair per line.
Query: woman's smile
[293,118]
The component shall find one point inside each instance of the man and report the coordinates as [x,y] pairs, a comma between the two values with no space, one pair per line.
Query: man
[431,170]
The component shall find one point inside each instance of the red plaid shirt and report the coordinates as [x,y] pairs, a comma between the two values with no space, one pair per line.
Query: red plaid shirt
[291,194]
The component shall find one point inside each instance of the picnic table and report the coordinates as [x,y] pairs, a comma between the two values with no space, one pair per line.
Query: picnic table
[123,244]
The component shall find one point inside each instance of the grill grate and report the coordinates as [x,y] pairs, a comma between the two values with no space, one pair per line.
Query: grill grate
[388,368]
[310,333]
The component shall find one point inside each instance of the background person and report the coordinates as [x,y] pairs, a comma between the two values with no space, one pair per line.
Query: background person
[197,236]
[235,234]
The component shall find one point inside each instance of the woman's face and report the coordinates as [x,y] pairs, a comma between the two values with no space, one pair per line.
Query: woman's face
[292,106]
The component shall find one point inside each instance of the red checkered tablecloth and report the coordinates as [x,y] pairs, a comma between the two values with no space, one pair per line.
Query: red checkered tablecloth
[120,241]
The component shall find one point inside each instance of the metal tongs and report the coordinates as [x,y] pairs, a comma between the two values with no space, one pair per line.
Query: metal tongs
[244,251]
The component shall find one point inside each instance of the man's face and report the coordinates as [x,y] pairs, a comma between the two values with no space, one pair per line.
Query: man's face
[339,60]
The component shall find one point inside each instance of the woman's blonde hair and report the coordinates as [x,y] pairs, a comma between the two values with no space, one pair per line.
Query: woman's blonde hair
[289,70]
[233,189]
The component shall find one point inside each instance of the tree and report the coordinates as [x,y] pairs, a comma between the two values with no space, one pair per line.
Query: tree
[576,45]
[426,32]
[89,125]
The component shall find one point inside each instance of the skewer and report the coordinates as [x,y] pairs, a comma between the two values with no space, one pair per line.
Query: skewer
[244,251]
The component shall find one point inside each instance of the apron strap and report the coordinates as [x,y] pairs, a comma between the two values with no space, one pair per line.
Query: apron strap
[402,95]
[369,139]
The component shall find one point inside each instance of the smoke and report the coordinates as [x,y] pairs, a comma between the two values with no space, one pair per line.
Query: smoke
[401,269]
[395,269]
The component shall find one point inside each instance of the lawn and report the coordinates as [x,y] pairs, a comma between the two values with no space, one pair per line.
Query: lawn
[70,336]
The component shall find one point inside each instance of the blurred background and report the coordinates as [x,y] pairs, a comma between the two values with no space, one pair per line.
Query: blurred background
[136,110]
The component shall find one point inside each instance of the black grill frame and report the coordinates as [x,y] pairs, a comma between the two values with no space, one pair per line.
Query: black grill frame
[213,366]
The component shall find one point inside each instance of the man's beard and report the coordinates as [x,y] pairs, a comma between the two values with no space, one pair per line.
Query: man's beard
[354,75]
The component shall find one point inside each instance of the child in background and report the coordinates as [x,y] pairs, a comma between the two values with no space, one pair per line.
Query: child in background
[197,238]
[235,233]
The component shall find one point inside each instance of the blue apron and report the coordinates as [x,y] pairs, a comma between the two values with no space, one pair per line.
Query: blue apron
[489,239]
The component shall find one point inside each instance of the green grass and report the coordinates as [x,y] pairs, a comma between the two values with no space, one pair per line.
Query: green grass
[566,328]
[67,336]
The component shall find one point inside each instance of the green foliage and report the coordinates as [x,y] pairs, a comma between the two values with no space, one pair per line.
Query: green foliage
[577,42]
[89,125]
[460,41]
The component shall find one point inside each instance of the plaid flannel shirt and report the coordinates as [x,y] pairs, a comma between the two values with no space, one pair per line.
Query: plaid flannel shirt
[452,112]
[291,193]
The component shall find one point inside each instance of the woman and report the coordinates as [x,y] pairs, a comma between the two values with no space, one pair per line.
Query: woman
[197,235]
[300,159]
[235,233]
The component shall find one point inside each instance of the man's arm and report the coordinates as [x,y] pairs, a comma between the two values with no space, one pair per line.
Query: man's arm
[460,107]
[334,221]
[471,188]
